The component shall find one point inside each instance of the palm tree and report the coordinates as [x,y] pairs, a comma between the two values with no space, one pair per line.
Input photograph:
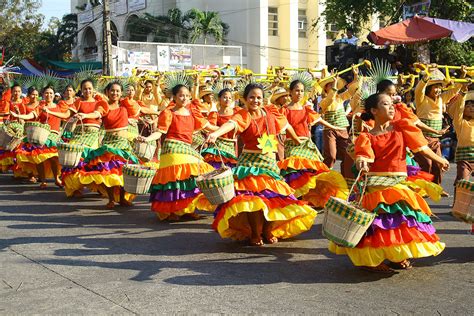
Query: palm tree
[205,24]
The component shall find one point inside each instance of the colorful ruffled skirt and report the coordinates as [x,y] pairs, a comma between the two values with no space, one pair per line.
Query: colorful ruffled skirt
[102,168]
[311,179]
[259,187]
[222,152]
[401,230]
[29,155]
[174,189]
[8,157]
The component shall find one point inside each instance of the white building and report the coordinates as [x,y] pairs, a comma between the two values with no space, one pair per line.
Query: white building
[271,32]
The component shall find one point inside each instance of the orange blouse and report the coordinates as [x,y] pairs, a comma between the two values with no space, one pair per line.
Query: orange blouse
[301,119]
[53,121]
[118,118]
[81,106]
[387,152]
[217,119]
[5,105]
[181,127]
[271,122]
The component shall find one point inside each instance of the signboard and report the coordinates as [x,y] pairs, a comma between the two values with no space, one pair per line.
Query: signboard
[180,57]
[120,7]
[135,5]
[128,68]
[138,58]
[420,8]
[163,53]
[85,17]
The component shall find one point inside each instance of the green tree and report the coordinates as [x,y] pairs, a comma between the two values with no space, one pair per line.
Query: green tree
[354,13]
[206,24]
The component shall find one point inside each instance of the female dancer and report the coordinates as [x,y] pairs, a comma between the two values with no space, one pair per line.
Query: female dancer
[264,205]
[402,228]
[43,160]
[102,169]
[226,145]
[174,192]
[303,168]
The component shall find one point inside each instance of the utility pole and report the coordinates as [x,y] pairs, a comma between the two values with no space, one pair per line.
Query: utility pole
[107,40]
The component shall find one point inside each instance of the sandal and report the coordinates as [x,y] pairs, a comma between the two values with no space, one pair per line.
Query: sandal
[381,268]
[43,185]
[403,265]
[59,183]
[256,242]
[126,203]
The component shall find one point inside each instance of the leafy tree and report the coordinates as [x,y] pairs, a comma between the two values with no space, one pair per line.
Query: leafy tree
[354,13]
[205,24]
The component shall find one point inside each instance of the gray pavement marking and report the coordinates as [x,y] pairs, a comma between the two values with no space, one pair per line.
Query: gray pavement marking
[72,281]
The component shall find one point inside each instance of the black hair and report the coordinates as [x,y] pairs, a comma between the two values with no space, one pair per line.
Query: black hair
[85,81]
[383,85]
[69,86]
[250,87]
[148,81]
[350,29]
[177,88]
[46,88]
[16,84]
[225,90]
[294,83]
[31,90]
[430,87]
[370,103]
[110,84]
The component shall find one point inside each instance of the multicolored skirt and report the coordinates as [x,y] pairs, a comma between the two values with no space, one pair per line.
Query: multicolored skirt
[401,230]
[8,157]
[102,168]
[174,189]
[222,152]
[29,155]
[311,179]
[259,187]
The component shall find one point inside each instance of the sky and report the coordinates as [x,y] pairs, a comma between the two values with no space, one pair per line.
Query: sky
[57,8]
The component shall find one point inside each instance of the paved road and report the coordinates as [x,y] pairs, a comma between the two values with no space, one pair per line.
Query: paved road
[63,256]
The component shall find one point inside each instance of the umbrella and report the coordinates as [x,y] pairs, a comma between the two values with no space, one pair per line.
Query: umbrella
[409,31]
[462,31]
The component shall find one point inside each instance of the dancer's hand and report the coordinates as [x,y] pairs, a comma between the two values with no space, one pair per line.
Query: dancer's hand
[362,166]
[211,139]
[444,165]
[142,139]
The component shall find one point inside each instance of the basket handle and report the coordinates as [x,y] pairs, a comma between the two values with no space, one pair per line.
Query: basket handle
[359,176]
[199,161]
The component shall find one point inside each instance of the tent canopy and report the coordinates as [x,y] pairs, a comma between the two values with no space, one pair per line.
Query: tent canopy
[93,65]
[462,31]
[409,31]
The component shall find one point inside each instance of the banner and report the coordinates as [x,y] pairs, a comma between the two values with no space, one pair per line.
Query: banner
[180,57]
[163,53]
[138,58]
[420,8]
[135,5]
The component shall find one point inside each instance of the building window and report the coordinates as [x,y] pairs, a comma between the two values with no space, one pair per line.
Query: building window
[302,23]
[332,28]
[272,21]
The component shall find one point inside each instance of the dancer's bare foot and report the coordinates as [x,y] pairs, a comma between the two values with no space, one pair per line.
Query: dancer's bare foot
[270,239]
[126,203]
[77,194]
[32,180]
[403,265]
[173,217]
[110,205]
[381,268]
[43,185]
[256,242]
[59,183]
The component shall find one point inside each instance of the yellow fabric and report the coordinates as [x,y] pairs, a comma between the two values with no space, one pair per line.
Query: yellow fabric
[427,108]
[331,179]
[286,222]
[423,187]
[464,128]
[7,161]
[35,159]
[168,160]
[335,101]
[372,257]
[75,182]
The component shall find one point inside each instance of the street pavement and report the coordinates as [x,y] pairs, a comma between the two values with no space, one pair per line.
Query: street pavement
[71,256]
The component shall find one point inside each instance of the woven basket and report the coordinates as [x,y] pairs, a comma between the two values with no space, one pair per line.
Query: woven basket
[37,133]
[7,141]
[137,179]
[69,155]
[144,151]
[217,185]
[344,223]
[463,207]
[4,137]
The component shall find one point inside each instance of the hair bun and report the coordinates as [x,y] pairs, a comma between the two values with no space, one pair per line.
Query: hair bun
[365,116]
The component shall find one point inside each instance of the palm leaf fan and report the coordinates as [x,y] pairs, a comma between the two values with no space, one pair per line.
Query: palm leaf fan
[380,70]
[32,81]
[175,78]
[244,81]
[86,72]
[305,78]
